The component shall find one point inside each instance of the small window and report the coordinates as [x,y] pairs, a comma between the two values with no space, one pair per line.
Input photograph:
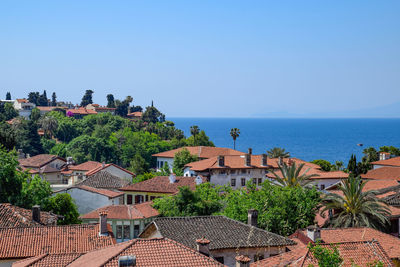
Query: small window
[254,180]
[129,199]
[127,230]
[322,186]
[243,181]
[220,259]
[233,182]
[258,257]
[223,172]
[136,231]
[243,171]
[119,231]
[259,181]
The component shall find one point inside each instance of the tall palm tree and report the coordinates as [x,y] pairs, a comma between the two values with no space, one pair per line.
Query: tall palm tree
[293,175]
[277,152]
[235,132]
[353,207]
[194,130]
[49,125]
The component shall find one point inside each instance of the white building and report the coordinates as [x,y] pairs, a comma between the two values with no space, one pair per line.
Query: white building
[24,107]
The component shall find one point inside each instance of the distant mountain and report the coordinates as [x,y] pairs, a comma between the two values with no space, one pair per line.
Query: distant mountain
[386,111]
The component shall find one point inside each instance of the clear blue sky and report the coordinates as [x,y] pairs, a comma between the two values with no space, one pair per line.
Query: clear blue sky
[206,58]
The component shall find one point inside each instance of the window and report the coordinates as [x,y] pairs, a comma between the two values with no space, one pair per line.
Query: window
[259,181]
[233,182]
[127,230]
[138,199]
[243,181]
[243,171]
[322,186]
[136,231]
[220,259]
[152,197]
[258,257]
[233,171]
[65,180]
[254,180]
[129,199]
[223,172]
[119,231]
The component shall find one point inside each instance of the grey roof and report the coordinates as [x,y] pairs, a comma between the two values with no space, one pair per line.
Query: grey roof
[104,179]
[222,232]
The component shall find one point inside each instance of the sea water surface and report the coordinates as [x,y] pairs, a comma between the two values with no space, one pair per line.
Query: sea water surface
[308,139]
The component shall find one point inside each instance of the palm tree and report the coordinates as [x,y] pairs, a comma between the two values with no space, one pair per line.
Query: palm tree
[338,165]
[277,152]
[194,130]
[292,175]
[354,208]
[235,132]
[49,125]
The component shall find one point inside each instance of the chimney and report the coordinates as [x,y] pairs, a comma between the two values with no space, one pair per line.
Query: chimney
[203,246]
[248,160]
[36,213]
[250,151]
[129,260]
[264,160]
[70,161]
[172,178]
[252,216]
[384,155]
[242,261]
[21,154]
[314,233]
[280,161]
[103,223]
[28,156]
[221,161]
[103,164]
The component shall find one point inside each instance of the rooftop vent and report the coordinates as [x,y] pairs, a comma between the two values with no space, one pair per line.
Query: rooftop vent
[202,246]
[314,233]
[36,213]
[103,223]
[172,178]
[242,261]
[252,217]
[129,260]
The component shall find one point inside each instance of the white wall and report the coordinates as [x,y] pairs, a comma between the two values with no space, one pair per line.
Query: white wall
[119,173]
[161,160]
[219,178]
[325,182]
[88,201]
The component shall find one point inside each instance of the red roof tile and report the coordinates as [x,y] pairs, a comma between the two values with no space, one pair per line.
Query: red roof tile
[161,184]
[104,192]
[25,242]
[383,173]
[125,212]
[149,253]
[395,162]
[101,167]
[38,160]
[81,111]
[46,260]
[13,216]
[136,114]
[86,166]
[203,152]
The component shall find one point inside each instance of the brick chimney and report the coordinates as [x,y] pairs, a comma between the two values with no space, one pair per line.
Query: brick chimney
[36,213]
[264,160]
[252,217]
[221,161]
[242,261]
[247,158]
[202,246]
[314,233]
[250,151]
[103,223]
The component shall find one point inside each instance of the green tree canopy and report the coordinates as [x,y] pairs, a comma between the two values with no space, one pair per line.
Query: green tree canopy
[54,99]
[182,158]
[110,101]
[87,98]
[326,257]
[292,175]
[8,96]
[324,164]
[277,152]
[235,132]
[390,149]
[63,204]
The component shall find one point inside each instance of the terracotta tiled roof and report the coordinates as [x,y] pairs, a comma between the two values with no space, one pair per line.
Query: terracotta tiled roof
[104,179]
[42,108]
[86,166]
[25,242]
[389,243]
[149,253]
[320,174]
[104,192]
[38,160]
[161,184]
[136,114]
[222,232]
[23,100]
[47,260]
[13,216]
[101,167]
[383,173]
[81,111]
[125,212]
[372,185]
[395,162]
[203,152]
[360,253]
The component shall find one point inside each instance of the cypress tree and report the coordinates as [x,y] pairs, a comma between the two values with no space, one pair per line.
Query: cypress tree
[87,98]
[8,96]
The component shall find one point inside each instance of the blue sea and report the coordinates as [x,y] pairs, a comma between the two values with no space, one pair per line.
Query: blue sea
[308,139]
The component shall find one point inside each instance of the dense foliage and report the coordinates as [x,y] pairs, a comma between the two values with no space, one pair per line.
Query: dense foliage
[326,257]
[277,152]
[182,158]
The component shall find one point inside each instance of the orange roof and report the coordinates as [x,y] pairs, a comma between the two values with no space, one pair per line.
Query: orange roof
[104,192]
[101,167]
[369,185]
[42,108]
[149,252]
[203,152]
[38,160]
[86,166]
[125,212]
[389,243]
[13,216]
[46,259]
[23,100]
[22,242]
[135,114]
[395,162]
[81,111]
[383,173]
[161,184]
[321,174]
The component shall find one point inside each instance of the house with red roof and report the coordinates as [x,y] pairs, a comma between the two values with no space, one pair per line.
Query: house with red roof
[158,186]
[80,112]
[100,109]
[386,160]
[127,221]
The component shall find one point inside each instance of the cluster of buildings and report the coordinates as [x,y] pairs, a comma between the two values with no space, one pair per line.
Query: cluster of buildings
[121,228]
